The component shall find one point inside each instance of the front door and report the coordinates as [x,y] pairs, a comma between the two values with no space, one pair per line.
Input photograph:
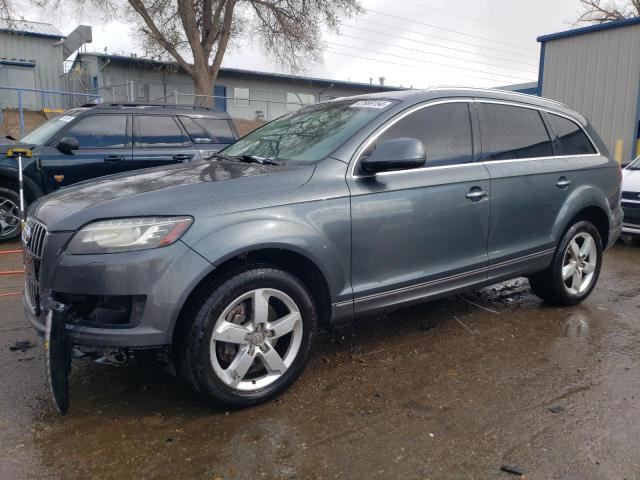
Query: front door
[420,232]
[103,142]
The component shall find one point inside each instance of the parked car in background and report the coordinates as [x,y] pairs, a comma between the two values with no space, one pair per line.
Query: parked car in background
[349,207]
[631,198]
[94,141]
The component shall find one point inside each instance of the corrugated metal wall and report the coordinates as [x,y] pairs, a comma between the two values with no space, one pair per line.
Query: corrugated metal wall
[44,51]
[598,74]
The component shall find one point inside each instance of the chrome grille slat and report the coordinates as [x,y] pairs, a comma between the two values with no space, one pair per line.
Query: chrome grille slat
[36,244]
[34,240]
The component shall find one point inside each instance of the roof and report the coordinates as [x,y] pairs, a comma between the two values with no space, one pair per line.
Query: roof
[311,81]
[35,29]
[590,29]
[417,96]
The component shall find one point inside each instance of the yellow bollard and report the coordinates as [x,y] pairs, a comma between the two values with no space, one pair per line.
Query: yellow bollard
[618,150]
[638,148]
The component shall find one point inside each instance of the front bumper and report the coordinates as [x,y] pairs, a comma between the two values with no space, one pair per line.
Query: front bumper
[163,277]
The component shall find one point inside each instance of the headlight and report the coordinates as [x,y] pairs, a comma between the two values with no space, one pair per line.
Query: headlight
[128,234]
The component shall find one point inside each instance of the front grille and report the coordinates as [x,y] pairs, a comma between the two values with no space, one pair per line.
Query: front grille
[34,237]
[631,195]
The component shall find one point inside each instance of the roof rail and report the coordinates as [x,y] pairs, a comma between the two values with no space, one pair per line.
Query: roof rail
[145,105]
[493,90]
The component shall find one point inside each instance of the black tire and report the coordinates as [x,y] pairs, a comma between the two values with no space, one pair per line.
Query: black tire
[194,363]
[6,196]
[549,285]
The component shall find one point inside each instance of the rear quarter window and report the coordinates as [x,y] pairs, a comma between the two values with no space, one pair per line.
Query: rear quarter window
[208,130]
[570,137]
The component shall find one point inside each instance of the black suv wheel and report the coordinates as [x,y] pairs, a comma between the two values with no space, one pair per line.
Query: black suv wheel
[575,268]
[251,337]
[9,215]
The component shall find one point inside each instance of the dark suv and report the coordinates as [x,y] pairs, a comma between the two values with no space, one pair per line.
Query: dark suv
[345,208]
[94,141]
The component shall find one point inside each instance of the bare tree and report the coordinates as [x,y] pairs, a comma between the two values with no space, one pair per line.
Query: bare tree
[596,11]
[197,33]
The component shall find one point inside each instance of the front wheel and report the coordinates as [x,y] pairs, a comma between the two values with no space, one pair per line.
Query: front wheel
[9,215]
[575,269]
[251,337]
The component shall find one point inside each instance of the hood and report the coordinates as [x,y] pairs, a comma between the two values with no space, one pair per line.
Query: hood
[630,180]
[204,187]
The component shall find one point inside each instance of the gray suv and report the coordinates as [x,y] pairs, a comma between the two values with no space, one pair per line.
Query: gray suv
[350,207]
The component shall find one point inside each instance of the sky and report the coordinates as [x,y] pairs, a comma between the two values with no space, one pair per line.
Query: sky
[411,43]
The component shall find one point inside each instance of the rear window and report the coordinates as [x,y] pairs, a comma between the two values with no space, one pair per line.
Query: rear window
[510,132]
[208,130]
[570,137]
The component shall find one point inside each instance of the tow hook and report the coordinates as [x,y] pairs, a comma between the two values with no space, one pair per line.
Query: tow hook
[115,357]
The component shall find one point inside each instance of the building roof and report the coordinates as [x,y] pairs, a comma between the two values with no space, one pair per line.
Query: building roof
[249,74]
[590,29]
[35,29]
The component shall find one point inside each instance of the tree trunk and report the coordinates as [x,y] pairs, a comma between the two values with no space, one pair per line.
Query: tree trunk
[203,84]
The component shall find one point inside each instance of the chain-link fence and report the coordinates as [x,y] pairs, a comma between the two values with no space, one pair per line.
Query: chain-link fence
[16,105]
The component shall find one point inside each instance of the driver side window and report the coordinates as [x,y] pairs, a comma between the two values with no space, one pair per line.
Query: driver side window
[100,131]
[444,129]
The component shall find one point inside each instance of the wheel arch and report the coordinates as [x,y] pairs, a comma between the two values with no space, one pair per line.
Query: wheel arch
[279,256]
[9,179]
[586,203]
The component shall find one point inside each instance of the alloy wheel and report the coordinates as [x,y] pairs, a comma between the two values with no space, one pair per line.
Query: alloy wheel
[579,264]
[256,339]
[9,218]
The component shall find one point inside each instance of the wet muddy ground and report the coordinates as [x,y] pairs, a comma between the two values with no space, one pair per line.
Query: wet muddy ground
[451,389]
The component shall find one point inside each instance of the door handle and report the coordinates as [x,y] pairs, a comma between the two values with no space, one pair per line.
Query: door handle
[563,182]
[476,195]
[113,158]
[182,157]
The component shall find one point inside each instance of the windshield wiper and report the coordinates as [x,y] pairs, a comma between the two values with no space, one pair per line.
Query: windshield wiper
[256,159]
[222,156]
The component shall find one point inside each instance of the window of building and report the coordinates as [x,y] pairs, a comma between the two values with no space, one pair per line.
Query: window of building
[296,101]
[570,137]
[445,132]
[158,131]
[242,97]
[510,132]
[100,131]
[208,130]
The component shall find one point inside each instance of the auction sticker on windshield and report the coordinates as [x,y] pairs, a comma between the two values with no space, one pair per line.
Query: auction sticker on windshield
[370,104]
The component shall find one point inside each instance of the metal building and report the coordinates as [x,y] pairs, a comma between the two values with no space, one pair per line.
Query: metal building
[245,94]
[596,71]
[31,57]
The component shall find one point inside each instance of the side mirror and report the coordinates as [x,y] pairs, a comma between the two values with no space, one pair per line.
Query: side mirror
[395,154]
[68,144]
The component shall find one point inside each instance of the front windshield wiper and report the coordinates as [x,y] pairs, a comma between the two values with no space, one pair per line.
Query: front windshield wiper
[633,168]
[256,159]
[246,159]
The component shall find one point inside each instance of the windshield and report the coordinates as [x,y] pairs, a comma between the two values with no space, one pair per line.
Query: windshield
[50,128]
[311,134]
[635,165]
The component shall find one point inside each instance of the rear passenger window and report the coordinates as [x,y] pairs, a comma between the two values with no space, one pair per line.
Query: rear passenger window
[208,130]
[158,131]
[445,131]
[510,132]
[570,137]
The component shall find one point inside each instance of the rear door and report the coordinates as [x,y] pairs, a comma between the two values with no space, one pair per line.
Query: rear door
[104,141]
[159,140]
[422,231]
[529,185]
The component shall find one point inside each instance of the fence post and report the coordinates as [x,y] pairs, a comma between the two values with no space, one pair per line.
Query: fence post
[131,91]
[175,96]
[21,113]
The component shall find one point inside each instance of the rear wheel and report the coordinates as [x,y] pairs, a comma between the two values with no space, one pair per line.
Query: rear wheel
[9,215]
[251,337]
[574,271]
